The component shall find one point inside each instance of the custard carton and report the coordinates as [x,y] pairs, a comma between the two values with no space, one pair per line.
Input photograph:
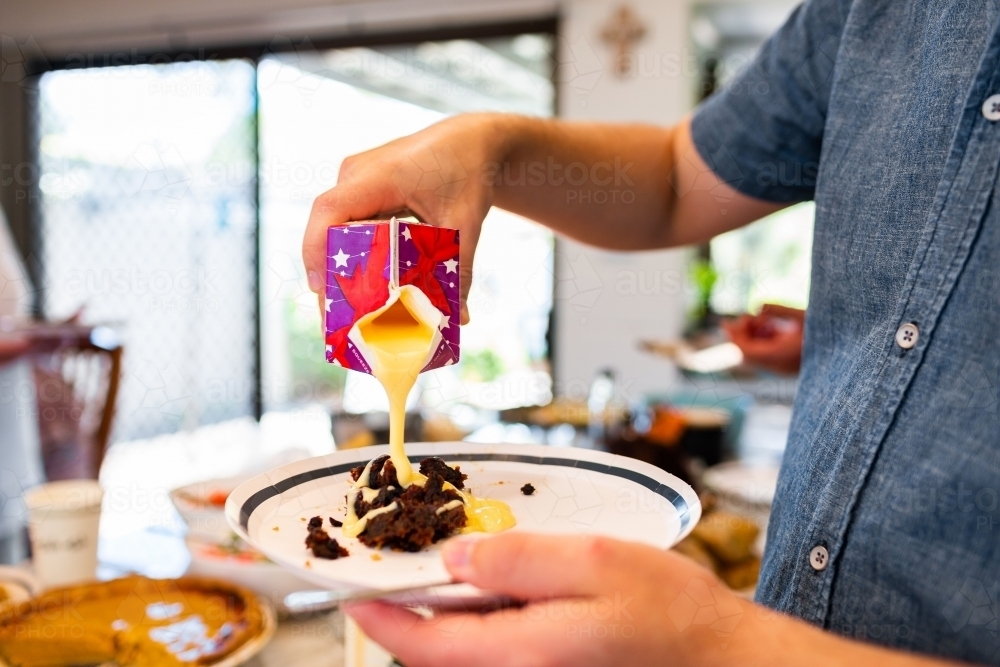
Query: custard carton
[372,264]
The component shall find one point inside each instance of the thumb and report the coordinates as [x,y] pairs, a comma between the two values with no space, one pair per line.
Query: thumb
[527,566]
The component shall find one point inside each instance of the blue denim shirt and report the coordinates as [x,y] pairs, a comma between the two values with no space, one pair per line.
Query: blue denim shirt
[875,109]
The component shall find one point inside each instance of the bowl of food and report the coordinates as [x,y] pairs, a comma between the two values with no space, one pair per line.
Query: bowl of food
[202,505]
[241,564]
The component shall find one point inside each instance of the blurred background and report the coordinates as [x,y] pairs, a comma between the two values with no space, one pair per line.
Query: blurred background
[157,166]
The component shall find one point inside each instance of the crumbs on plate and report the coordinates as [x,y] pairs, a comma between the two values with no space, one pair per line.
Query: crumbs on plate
[320,542]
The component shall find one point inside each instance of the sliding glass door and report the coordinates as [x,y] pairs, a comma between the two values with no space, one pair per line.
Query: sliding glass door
[148,223]
[318,107]
[173,200]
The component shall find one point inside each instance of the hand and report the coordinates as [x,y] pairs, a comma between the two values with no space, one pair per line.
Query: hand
[436,174]
[600,602]
[13,346]
[590,601]
[771,340]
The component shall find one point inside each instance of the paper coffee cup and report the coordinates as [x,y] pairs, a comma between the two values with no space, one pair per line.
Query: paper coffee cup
[63,519]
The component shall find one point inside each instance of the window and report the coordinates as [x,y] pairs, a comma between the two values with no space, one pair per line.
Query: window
[174,196]
[765,262]
[319,107]
[768,261]
[148,223]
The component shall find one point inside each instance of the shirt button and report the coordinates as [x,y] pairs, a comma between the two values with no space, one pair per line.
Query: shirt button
[819,557]
[907,334]
[991,108]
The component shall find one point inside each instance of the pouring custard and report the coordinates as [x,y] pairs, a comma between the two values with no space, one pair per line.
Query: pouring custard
[390,503]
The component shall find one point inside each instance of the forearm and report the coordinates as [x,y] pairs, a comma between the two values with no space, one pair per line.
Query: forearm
[606,185]
[763,636]
[623,187]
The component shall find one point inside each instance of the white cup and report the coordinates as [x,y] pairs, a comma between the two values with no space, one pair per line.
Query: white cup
[63,518]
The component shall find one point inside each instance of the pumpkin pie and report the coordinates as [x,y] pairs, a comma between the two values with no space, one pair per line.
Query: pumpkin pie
[133,621]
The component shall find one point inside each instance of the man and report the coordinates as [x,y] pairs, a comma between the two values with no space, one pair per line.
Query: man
[883,542]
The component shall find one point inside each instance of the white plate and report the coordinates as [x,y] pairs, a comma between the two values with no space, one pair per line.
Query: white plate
[577,492]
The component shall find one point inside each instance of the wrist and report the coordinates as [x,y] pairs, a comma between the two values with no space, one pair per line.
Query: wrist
[514,143]
[508,136]
[744,634]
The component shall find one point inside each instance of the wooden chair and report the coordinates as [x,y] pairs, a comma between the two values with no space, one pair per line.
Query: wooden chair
[77,373]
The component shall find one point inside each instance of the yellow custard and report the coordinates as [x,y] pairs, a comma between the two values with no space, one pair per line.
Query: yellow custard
[400,343]
[484,515]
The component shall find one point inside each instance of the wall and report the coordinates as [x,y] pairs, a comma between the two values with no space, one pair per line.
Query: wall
[600,317]
[597,325]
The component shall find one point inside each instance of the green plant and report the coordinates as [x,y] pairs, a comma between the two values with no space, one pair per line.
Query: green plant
[481,366]
[703,277]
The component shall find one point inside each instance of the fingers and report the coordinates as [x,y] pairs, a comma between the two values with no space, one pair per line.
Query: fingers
[466,640]
[762,350]
[415,641]
[344,203]
[774,310]
[531,567]
[781,353]
[13,346]
[470,224]
[735,325]
[738,329]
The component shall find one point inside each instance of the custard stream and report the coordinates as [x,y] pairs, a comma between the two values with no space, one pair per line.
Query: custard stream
[400,345]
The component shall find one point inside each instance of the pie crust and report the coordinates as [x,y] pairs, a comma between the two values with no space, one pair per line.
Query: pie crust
[133,621]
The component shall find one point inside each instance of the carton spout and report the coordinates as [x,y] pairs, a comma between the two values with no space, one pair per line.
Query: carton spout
[407,316]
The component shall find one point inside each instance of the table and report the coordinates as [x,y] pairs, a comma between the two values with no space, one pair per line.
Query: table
[141,532]
[313,642]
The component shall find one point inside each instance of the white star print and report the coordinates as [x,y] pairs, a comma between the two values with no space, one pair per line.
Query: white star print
[406,234]
[341,258]
[451,266]
[445,325]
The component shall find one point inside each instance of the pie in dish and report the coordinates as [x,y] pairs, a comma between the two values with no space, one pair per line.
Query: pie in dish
[133,621]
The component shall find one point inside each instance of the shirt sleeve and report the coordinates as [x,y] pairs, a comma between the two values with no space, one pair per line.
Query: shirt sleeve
[762,133]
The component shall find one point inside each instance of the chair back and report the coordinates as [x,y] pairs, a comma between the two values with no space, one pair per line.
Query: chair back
[77,375]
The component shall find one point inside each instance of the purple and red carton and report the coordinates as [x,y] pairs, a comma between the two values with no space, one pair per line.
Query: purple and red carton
[368,261]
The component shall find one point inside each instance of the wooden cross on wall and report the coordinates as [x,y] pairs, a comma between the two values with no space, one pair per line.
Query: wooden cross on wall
[622,31]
